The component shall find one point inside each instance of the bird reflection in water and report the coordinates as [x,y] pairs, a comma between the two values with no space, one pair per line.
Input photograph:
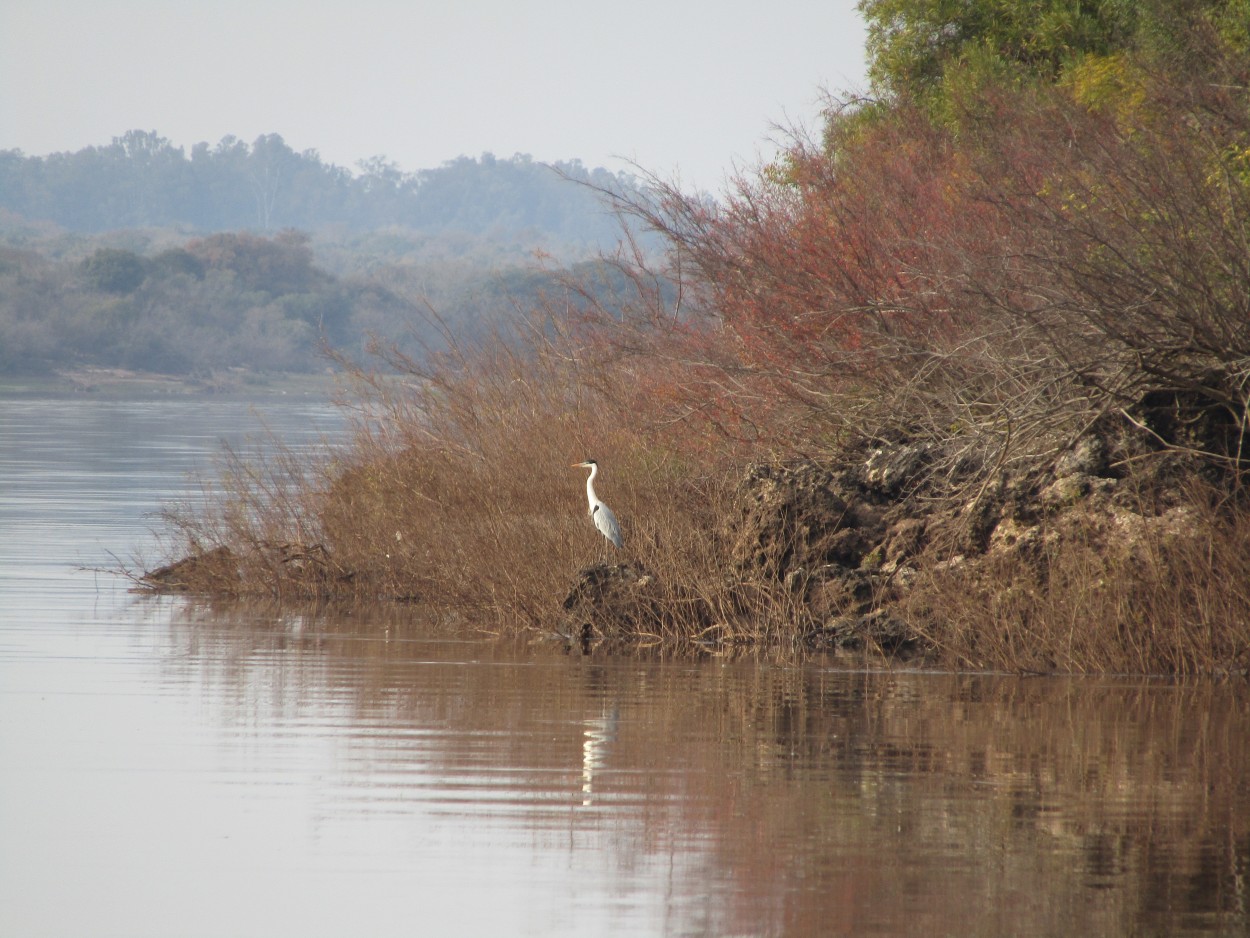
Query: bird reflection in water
[600,734]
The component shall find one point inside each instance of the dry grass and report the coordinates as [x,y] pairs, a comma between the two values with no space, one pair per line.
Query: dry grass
[457,491]
[1133,590]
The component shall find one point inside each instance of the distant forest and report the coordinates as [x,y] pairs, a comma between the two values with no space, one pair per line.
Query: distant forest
[141,180]
[138,255]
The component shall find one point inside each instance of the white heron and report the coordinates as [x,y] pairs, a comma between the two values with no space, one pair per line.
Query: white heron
[600,513]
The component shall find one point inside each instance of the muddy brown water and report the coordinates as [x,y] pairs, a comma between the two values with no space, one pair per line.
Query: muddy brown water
[168,768]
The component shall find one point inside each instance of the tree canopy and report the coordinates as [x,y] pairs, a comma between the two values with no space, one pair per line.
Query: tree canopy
[935,50]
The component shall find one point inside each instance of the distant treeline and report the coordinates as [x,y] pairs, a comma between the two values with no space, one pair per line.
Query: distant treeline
[234,300]
[141,180]
[136,255]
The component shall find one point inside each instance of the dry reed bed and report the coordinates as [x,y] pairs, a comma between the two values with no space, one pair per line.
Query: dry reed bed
[456,491]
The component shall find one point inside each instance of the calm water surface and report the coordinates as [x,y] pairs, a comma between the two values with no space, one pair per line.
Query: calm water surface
[175,769]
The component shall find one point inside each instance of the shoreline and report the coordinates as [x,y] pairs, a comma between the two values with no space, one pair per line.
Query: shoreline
[101,383]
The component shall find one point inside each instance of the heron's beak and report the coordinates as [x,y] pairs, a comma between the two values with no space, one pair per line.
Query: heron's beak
[577,465]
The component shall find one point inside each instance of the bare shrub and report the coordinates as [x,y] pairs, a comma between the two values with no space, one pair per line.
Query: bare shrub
[998,287]
[857,302]
[1135,266]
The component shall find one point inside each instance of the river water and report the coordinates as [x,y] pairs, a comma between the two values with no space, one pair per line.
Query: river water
[169,768]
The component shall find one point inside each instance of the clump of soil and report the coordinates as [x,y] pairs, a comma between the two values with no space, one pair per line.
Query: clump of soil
[214,571]
[615,601]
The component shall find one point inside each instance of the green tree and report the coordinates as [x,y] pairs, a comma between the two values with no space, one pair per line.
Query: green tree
[151,178]
[915,47]
[951,57]
[270,168]
[114,270]
[279,265]
[175,262]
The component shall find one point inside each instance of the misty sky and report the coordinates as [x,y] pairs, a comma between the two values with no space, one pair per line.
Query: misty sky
[686,88]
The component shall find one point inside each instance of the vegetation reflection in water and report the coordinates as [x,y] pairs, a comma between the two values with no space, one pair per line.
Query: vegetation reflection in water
[824,801]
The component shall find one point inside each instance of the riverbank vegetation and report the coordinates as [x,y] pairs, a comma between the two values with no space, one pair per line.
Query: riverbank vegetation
[964,376]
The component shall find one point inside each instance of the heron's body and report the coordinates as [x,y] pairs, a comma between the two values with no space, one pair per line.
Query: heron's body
[600,513]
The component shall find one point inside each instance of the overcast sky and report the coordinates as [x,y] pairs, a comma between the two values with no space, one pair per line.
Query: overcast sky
[686,88]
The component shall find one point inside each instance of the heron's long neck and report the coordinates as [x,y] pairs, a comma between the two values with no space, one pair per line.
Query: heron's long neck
[590,485]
